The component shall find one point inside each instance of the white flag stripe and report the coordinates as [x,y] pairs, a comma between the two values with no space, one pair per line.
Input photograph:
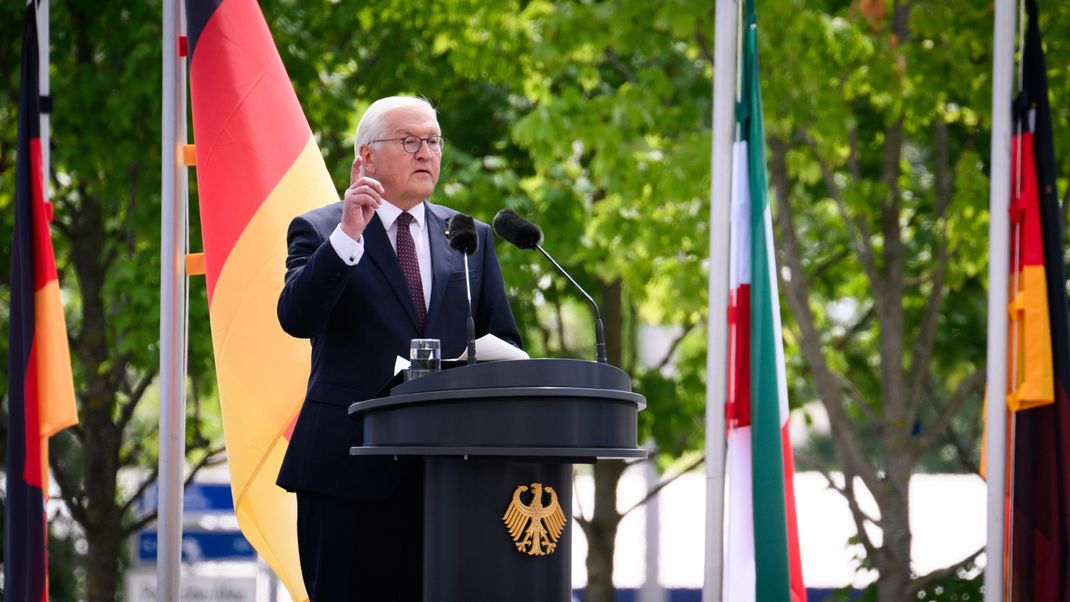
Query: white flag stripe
[774,301]
[739,261]
[739,569]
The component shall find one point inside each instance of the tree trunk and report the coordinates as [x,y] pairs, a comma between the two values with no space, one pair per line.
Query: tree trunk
[102,565]
[103,373]
[601,529]
[601,532]
[893,585]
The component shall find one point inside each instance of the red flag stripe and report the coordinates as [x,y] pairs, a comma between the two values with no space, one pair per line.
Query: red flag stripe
[44,260]
[1025,208]
[737,408]
[31,469]
[253,126]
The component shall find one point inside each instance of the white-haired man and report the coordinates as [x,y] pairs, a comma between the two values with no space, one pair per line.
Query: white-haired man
[365,276]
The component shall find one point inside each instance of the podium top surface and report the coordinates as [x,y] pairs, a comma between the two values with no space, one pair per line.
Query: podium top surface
[543,372]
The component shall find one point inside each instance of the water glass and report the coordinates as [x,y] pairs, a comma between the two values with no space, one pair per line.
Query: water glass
[425,357]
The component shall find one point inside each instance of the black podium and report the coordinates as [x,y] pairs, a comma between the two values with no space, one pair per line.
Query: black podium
[498,441]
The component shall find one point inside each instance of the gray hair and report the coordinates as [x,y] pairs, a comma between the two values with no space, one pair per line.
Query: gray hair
[371,123]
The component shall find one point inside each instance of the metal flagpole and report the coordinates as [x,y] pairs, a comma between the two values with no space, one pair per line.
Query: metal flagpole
[724,103]
[998,278]
[173,281]
[43,83]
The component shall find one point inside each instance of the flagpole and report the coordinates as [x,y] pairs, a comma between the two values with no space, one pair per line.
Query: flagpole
[43,84]
[172,309]
[998,278]
[724,102]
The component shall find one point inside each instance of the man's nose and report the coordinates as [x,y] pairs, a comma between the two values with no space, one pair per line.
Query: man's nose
[424,152]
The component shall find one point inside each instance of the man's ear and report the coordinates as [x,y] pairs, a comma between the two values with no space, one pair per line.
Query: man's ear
[367,156]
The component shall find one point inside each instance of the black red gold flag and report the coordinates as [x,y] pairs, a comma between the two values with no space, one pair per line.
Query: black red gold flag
[1039,558]
[40,389]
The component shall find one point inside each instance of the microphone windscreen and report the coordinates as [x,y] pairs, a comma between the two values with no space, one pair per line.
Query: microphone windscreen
[462,233]
[517,230]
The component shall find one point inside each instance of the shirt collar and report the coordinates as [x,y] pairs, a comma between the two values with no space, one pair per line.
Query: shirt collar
[389,213]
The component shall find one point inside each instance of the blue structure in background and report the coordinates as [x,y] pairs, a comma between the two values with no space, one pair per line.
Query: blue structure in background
[198,498]
[198,546]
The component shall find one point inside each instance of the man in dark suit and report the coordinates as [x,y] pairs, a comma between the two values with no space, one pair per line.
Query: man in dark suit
[365,276]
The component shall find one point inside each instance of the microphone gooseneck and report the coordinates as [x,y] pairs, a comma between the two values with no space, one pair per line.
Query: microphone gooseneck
[462,236]
[526,235]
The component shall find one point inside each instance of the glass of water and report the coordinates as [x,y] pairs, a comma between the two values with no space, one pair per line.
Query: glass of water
[425,357]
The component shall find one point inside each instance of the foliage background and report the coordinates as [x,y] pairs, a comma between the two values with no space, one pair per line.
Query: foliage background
[591,118]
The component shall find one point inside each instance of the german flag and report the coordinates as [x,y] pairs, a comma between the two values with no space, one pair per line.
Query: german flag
[258,165]
[40,387]
[1039,371]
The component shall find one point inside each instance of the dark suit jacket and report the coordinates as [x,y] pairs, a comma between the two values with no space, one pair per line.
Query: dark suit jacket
[359,319]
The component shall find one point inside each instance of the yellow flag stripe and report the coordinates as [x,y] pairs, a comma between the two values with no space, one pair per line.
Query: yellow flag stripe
[55,384]
[262,371]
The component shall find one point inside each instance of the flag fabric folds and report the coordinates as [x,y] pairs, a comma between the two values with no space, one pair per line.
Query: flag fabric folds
[40,387]
[258,166]
[762,560]
[1039,371]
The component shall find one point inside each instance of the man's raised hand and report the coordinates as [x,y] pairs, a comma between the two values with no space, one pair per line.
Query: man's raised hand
[361,199]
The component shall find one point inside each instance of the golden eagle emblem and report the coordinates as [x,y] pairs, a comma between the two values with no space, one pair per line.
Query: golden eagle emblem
[544,524]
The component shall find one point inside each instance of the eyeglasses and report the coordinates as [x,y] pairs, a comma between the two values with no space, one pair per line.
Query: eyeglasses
[412,144]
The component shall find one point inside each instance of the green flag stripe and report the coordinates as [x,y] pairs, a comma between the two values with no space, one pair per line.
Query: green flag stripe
[770,523]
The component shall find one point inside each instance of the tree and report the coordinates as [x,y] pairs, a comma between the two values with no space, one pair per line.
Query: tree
[105,189]
[876,115]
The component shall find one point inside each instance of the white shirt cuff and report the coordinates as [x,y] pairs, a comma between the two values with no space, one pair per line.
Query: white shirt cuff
[349,250]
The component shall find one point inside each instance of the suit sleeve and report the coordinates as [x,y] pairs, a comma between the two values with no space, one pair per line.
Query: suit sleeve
[314,280]
[494,316]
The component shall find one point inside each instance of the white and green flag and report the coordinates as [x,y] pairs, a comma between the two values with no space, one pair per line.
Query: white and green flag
[761,560]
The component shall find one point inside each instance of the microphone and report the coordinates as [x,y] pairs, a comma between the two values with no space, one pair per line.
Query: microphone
[462,236]
[526,235]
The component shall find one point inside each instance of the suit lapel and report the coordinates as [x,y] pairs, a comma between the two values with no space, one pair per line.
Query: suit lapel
[377,246]
[443,260]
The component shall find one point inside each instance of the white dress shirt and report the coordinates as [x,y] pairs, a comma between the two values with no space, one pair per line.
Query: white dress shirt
[351,251]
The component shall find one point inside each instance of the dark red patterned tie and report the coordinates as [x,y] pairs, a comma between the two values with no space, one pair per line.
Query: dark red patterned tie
[410,266]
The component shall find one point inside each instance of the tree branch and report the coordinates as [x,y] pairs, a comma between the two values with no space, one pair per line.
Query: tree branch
[69,490]
[841,342]
[664,483]
[833,261]
[852,156]
[849,446]
[857,514]
[618,65]
[971,384]
[857,229]
[135,396]
[926,337]
[856,396]
[129,458]
[703,45]
[578,515]
[142,488]
[672,347]
[209,459]
[926,580]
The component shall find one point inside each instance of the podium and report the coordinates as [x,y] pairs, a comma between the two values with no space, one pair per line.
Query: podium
[498,441]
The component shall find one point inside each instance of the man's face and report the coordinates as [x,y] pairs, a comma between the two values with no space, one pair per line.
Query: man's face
[407,178]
